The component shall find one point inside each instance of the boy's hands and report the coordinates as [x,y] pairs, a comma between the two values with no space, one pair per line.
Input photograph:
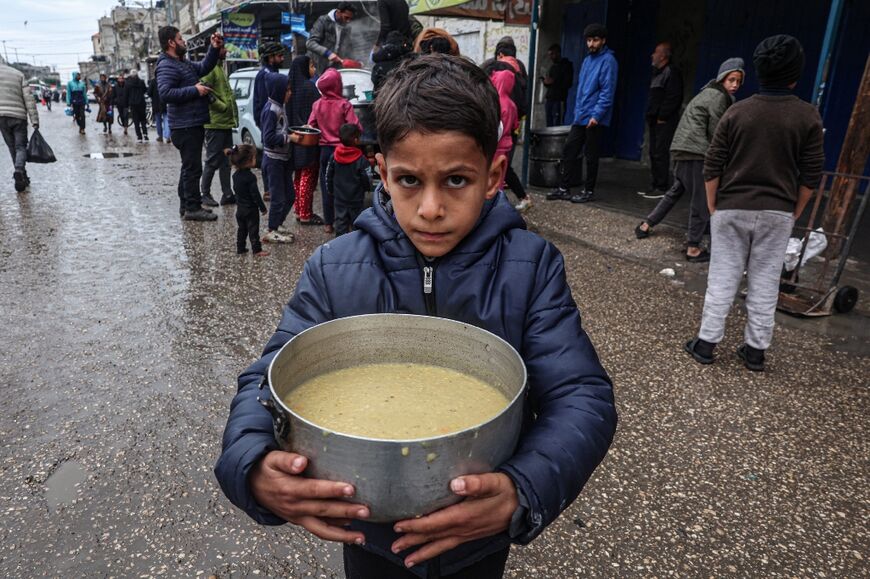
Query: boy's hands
[490,502]
[309,503]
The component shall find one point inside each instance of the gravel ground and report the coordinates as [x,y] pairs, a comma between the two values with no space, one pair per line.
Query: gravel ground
[123,330]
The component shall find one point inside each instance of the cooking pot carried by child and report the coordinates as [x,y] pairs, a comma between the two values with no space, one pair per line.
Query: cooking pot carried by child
[309,136]
[397,479]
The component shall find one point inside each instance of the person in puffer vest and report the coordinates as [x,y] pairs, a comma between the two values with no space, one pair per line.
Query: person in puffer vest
[440,240]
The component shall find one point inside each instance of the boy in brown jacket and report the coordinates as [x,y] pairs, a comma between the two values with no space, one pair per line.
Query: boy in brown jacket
[764,161]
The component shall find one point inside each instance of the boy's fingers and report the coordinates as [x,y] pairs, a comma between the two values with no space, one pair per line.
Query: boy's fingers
[438,521]
[328,532]
[476,485]
[329,509]
[430,550]
[288,462]
[312,488]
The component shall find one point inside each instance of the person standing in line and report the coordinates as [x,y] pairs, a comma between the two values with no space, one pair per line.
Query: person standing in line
[394,16]
[121,101]
[662,116]
[77,98]
[277,152]
[593,110]
[104,93]
[161,119]
[765,159]
[136,99]
[503,81]
[271,57]
[558,81]
[690,143]
[16,106]
[330,37]
[185,97]
[328,114]
[223,118]
[347,179]
[306,160]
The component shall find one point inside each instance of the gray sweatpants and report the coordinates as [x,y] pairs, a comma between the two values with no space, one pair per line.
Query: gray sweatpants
[751,241]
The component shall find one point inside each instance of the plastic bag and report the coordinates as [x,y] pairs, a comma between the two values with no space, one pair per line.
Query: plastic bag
[38,150]
[815,246]
[68,111]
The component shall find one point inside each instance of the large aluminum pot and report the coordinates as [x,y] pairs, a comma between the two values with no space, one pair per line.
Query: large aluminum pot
[398,479]
[547,143]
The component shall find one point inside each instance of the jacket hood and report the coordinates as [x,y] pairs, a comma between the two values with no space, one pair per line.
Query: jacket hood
[329,84]
[75,76]
[276,86]
[496,217]
[504,81]
[346,155]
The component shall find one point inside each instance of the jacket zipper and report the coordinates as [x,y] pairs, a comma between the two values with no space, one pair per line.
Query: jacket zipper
[427,264]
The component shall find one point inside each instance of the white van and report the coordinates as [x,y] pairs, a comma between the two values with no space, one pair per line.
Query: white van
[242,83]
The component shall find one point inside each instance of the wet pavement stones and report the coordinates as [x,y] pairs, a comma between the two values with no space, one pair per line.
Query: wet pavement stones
[123,330]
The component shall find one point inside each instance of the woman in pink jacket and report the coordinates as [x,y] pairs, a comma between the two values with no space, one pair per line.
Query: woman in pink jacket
[328,114]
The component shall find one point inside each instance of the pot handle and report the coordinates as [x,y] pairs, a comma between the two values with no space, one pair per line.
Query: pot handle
[279,418]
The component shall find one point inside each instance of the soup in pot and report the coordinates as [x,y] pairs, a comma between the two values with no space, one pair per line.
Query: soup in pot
[396,401]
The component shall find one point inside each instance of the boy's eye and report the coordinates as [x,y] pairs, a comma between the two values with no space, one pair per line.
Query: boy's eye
[408,181]
[456,181]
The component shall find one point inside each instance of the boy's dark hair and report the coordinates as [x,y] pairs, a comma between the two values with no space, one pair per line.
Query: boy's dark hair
[346,6]
[436,44]
[436,93]
[347,133]
[165,34]
[506,50]
[240,155]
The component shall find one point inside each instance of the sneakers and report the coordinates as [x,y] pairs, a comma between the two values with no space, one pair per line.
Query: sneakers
[753,358]
[199,215]
[524,204]
[285,231]
[20,181]
[582,197]
[209,201]
[559,195]
[640,233]
[159,139]
[700,350]
[145,137]
[275,237]
[139,140]
[228,200]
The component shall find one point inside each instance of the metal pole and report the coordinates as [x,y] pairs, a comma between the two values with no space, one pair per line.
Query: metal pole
[5,54]
[831,31]
[527,127]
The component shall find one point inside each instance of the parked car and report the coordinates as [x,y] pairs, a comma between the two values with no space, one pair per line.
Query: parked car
[242,83]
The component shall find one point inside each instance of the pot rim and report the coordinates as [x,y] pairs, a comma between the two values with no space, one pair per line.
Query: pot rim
[328,431]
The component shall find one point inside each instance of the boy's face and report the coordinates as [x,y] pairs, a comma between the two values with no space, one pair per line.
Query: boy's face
[438,183]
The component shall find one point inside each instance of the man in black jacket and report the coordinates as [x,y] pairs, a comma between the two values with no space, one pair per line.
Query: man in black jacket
[662,116]
[121,100]
[136,99]
[558,81]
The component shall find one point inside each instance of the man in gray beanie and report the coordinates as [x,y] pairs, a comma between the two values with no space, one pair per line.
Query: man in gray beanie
[765,159]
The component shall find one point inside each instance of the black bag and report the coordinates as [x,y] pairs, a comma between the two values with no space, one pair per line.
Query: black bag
[38,150]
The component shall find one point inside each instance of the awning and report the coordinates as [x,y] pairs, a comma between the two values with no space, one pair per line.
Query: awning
[518,13]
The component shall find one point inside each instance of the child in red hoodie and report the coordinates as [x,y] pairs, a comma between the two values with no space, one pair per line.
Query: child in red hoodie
[347,179]
[504,81]
[329,114]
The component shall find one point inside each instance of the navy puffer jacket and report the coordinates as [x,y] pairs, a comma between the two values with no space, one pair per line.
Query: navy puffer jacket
[501,278]
[176,84]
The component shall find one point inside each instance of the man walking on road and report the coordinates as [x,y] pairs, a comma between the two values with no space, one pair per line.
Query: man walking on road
[330,36]
[16,105]
[121,100]
[185,97]
[593,110]
[662,117]
[558,81]
[136,99]
[77,98]
[223,118]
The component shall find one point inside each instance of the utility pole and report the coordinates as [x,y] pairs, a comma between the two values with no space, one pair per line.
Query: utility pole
[5,54]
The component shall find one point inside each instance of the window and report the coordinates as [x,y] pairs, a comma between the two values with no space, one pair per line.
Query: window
[242,89]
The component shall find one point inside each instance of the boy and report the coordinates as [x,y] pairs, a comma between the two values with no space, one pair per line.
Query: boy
[761,168]
[347,178]
[439,209]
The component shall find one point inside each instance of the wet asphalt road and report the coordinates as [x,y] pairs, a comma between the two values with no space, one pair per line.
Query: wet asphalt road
[123,330]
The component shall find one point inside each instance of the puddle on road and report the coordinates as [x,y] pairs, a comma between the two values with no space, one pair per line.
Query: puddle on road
[107,155]
[61,485]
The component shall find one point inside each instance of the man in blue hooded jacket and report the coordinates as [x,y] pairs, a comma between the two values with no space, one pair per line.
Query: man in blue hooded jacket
[593,111]
[441,240]
[187,106]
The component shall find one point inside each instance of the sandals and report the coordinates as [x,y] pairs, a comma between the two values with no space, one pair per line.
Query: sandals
[640,233]
[702,257]
[690,348]
[314,220]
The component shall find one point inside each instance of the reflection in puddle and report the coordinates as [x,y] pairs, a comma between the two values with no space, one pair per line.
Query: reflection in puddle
[61,485]
[107,155]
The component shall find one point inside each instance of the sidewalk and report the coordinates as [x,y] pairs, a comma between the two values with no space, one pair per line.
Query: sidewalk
[607,225]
